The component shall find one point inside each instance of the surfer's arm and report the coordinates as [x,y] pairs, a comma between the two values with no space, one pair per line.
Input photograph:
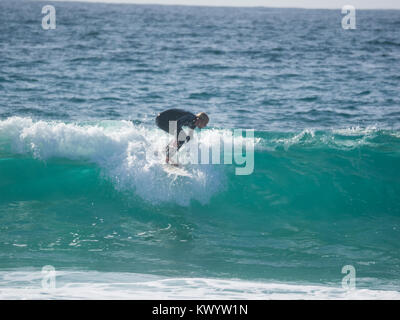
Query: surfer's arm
[182,138]
[190,135]
[186,120]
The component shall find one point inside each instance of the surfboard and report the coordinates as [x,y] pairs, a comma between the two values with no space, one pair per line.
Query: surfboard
[177,171]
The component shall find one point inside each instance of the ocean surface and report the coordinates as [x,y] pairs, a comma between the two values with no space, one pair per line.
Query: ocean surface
[80,191]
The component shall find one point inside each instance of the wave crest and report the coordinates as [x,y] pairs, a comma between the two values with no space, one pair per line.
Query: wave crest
[130,155]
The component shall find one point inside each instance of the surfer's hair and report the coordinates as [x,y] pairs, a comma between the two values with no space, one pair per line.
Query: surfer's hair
[203,117]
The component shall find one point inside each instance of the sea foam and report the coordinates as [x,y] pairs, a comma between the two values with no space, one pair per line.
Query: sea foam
[115,285]
[131,156]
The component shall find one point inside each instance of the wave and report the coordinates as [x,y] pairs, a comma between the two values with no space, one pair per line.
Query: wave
[113,285]
[131,156]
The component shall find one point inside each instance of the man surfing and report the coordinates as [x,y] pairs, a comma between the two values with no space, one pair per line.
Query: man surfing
[182,118]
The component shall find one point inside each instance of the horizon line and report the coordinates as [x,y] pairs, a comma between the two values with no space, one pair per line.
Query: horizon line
[155,3]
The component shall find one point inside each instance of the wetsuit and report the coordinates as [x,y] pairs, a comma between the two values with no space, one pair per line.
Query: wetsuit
[182,118]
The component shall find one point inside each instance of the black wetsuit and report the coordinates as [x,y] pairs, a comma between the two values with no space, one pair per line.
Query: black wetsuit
[182,117]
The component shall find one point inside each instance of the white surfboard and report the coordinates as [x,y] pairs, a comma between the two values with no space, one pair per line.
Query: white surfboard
[177,171]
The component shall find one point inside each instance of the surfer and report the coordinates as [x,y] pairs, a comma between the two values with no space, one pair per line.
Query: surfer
[182,118]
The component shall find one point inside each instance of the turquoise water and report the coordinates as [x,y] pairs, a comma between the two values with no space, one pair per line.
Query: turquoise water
[80,191]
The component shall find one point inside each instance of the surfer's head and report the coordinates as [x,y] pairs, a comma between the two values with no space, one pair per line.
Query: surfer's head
[202,120]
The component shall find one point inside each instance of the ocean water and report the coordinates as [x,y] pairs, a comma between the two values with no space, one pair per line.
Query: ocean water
[80,191]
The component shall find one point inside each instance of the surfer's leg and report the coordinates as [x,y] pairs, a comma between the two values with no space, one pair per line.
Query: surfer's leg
[163,122]
[171,150]
[174,146]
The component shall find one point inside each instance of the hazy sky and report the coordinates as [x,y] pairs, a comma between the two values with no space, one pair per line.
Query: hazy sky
[331,4]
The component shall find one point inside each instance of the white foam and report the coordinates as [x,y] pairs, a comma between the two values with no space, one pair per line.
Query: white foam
[296,139]
[356,131]
[130,155]
[111,285]
[345,139]
[395,134]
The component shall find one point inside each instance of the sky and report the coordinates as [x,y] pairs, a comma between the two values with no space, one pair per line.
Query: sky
[325,4]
